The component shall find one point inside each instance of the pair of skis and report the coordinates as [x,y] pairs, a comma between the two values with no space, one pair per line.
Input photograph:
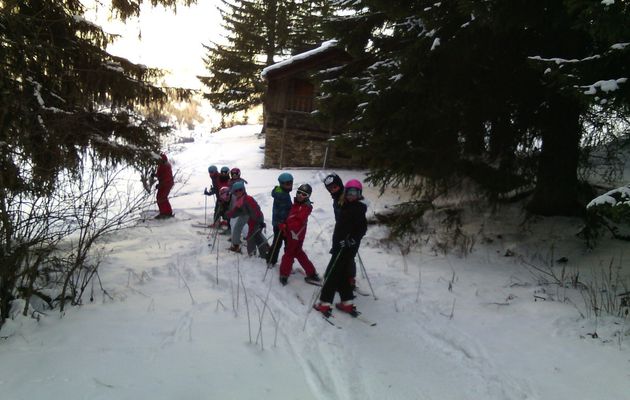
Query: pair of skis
[355,315]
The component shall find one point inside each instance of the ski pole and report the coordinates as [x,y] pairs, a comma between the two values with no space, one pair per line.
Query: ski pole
[327,275]
[273,251]
[205,209]
[214,239]
[366,275]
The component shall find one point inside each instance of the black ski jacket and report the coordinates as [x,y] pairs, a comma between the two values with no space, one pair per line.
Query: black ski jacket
[351,224]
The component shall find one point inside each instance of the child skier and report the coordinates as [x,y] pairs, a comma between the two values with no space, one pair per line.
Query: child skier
[246,208]
[334,185]
[223,180]
[223,206]
[213,172]
[239,222]
[294,231]
[281,206]
[235,176]
[349,230]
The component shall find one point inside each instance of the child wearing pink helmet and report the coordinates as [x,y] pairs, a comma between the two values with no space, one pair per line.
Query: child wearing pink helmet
[350,228]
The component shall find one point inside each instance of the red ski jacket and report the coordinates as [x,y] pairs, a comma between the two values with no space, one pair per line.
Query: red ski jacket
[247,205]
[164,175]
[297,220]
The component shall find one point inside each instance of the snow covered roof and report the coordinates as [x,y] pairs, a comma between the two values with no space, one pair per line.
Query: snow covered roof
[326,46]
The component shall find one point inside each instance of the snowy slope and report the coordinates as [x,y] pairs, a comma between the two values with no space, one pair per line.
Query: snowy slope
[182,321]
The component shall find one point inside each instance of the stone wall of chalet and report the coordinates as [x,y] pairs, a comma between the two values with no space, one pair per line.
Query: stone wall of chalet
[297,140]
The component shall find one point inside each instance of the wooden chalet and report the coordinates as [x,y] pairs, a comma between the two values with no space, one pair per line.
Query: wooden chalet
[293,137]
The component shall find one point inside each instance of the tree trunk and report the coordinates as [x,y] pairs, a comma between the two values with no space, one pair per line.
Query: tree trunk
[556,191]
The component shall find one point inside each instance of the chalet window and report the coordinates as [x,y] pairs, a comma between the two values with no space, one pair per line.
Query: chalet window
[301,95]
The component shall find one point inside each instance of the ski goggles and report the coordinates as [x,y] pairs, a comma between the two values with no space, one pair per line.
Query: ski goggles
[353,192]
[287,183]
[238,190]
[303,194]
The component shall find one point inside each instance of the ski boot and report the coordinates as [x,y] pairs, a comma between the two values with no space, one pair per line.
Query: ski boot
[235,248]
[313,279]
[324,308]
[347,307]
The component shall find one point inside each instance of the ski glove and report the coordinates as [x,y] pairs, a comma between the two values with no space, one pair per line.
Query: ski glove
[283,228]
[205,191]
[347,243]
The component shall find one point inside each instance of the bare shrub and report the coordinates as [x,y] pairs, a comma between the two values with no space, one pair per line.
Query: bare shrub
[48,243]
[607,292]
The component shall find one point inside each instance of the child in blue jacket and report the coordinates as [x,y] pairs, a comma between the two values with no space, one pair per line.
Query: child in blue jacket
[281,206]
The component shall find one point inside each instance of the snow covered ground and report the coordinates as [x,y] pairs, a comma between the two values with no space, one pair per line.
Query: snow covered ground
[181,322]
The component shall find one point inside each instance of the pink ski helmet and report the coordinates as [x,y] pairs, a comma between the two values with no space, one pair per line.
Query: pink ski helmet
[354,184]
[354,187]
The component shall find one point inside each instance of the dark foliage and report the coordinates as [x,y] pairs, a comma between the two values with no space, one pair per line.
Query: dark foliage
[257,32]
[499,92]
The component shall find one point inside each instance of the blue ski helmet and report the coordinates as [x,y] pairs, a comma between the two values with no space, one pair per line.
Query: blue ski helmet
[225,170]
[285,177]
[238,185]
[212,169]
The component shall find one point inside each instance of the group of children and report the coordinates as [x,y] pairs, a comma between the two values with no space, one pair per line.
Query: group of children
[235,208]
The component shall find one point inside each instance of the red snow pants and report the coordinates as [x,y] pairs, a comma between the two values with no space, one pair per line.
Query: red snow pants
[293,250]
[162,199]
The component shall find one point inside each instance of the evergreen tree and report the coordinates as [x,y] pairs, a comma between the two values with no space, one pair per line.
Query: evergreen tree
[258,32]
[495,91]
[307,24]
[60,92]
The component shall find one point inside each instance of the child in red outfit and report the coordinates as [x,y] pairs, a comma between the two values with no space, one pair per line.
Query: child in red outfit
[294,230]
[164,176]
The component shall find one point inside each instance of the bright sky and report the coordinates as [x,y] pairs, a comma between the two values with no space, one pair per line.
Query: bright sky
[160,38]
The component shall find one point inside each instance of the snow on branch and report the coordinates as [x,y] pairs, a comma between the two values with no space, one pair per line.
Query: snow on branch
[81,20]
[559,60]
[114,66]
[466,24]
[605,86]
[436,43]
[37,89]
[411,23]
[389,63]
[614,197]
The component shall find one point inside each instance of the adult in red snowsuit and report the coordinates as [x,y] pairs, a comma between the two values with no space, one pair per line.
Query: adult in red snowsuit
[294,230]
[164,176]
